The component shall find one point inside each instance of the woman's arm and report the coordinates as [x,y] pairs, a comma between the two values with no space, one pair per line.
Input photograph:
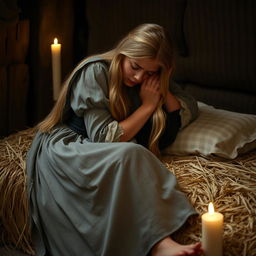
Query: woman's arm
[171,103]
[189,108]
[89,99]
[132,125]
[150,96]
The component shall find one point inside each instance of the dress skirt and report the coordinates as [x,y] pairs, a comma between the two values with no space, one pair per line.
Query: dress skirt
[105,199]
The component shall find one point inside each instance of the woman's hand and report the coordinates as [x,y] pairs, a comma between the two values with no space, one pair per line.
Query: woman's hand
[150,96]
[149,92]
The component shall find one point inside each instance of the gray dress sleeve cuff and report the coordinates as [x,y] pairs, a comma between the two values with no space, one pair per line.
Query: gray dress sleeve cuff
[185,113]
[189,108]
[113,132]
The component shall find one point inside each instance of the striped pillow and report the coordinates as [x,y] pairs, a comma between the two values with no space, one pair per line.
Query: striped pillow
[216,132]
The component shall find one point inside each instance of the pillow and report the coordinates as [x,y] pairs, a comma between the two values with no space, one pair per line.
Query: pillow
[216,132]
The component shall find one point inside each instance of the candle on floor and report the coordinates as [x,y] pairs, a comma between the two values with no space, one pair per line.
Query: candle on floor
[212,232]
[56,68]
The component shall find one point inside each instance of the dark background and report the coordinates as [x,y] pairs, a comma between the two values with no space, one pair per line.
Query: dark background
[214,44]
[83,27]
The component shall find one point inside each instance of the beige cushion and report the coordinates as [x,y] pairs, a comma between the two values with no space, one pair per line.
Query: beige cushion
[216,132]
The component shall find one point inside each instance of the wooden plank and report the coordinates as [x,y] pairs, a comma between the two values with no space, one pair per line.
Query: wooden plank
[22,41]
[17,42]
[3,39]
[3,102]
[18,79]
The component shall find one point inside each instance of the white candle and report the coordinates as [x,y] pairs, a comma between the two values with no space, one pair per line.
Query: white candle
[212,231]
[56,68]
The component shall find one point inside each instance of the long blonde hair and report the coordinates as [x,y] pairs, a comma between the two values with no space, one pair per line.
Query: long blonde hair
[145,41]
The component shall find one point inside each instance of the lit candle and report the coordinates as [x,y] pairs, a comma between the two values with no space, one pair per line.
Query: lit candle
[56,68]
[212,231]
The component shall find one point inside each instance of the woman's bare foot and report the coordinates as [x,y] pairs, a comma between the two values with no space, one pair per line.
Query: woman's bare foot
[168,247]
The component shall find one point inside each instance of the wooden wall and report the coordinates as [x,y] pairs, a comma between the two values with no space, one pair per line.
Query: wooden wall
[49,19]
[14,74]
[109,21]
[25,58]
[83,27]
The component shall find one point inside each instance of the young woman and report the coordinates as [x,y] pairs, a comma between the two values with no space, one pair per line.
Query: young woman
[96,186]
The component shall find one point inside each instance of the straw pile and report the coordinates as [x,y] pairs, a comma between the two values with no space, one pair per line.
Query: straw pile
[229,184]
[14,221]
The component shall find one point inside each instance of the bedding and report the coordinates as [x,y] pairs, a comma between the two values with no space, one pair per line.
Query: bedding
[216,132]
[228,183]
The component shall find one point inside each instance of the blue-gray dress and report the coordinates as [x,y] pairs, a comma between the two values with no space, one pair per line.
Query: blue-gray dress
[92,195]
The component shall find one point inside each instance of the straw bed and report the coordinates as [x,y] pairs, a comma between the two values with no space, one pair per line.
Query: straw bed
[14,221]
[229,184]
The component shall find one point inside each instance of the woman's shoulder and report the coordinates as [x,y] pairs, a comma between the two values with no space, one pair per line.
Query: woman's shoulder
[95,65]
[92,75]
[96,71]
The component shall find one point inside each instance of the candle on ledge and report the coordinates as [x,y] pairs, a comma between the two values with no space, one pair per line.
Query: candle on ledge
[56,68]
[212,231]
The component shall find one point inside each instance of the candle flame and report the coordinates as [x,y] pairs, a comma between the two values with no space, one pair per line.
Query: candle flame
[55,41]
[210,208]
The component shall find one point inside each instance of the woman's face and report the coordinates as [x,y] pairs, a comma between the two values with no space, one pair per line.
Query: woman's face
[136,71]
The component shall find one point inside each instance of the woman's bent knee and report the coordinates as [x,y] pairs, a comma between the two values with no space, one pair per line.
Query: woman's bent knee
[132,149]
